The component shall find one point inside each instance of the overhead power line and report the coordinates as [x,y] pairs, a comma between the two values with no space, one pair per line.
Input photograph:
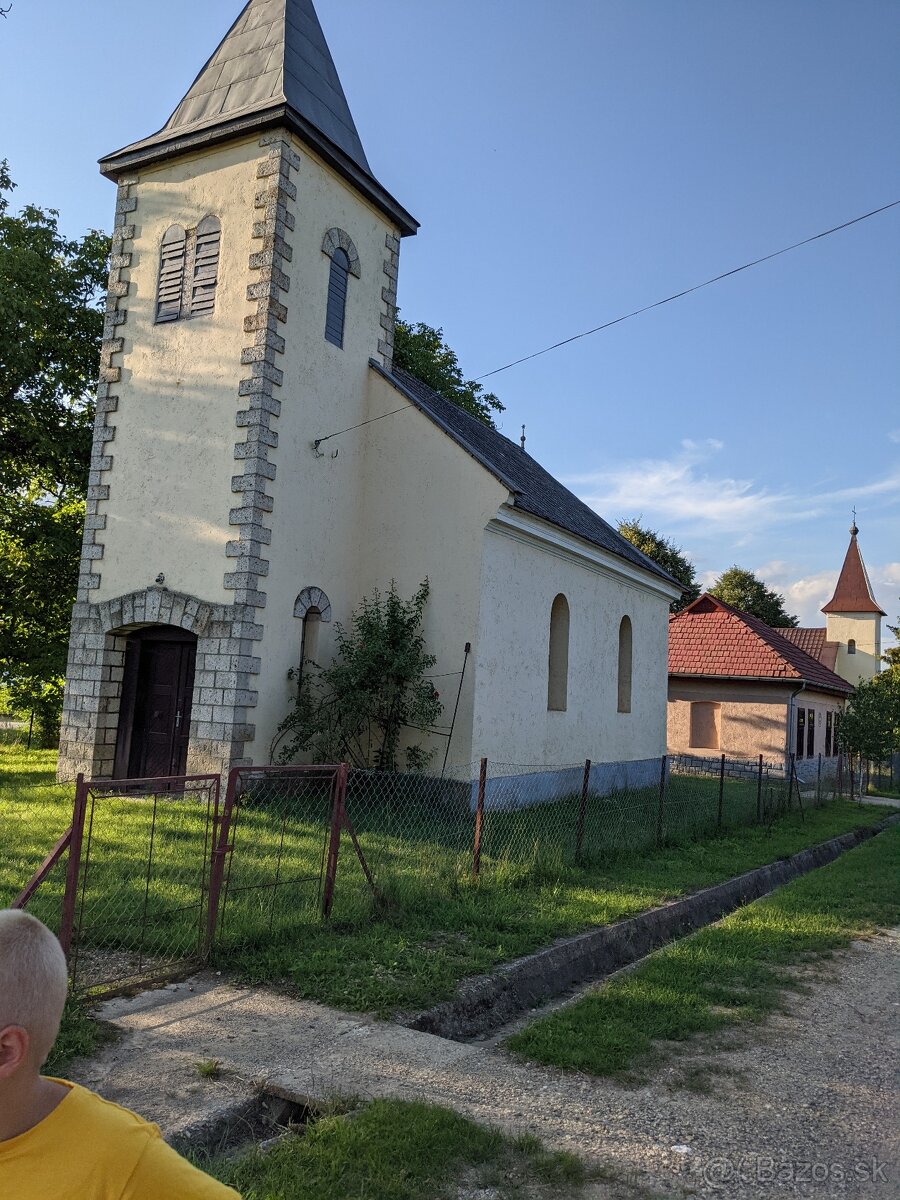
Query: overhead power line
[687,291]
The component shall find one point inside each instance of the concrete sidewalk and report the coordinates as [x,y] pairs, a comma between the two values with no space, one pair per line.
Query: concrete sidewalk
[812,1086]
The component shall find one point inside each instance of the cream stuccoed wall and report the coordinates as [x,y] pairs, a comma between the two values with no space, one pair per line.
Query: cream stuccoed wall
[865,629]
[525,564]
[754,717]
[173,451]
[422,504]
[316,496]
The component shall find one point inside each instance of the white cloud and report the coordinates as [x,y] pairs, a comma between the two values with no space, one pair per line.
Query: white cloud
[680,491]
[894,435]
[687,496]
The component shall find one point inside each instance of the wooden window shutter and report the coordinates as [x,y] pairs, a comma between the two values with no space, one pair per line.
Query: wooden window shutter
[337,298]
[206,267]
[171,274]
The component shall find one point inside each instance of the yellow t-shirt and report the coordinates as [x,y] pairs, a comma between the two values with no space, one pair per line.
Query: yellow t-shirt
[89,1149]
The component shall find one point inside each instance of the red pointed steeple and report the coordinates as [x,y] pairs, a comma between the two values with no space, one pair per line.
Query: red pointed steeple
[853,593]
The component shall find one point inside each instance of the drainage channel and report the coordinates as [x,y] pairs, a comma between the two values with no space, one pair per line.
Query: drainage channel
[254,1123]
[487,1004]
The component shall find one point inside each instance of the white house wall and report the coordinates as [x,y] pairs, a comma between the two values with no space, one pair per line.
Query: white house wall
[520,577]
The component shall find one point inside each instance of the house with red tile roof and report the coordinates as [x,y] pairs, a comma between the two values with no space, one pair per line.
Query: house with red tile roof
[739,687]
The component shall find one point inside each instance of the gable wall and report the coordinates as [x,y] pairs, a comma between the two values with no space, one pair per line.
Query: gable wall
[519,581]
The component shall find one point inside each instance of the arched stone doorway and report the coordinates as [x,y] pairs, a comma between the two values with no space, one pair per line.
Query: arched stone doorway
[155,710]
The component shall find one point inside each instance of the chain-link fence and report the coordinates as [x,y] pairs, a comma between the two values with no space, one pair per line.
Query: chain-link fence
[137,883]
[33,819]
[155,873]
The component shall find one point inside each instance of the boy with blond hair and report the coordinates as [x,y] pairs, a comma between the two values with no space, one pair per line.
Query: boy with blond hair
[58,1141]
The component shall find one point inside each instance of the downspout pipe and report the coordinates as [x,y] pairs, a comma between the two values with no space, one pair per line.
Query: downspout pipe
[791,724]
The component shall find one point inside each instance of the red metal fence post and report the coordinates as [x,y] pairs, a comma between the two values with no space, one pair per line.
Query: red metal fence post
[721,791]
[660,812]
[334,841]
[479,818]
[222,827]
[73,866]
[582,808]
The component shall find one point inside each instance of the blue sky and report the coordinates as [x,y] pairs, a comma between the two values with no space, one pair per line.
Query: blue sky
[570,162]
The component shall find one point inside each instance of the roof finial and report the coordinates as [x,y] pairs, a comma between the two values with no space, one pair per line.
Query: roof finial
[522,438]
[853,530]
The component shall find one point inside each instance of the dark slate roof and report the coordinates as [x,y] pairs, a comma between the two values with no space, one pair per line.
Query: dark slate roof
[272,67]
[534,490]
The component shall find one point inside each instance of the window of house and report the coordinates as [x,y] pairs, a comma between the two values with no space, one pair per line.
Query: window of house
[810,733]
[705,725]
[851,646]
[188,271]
[624,682]
[172,253]
[558,662]
[206,266]
[829,717]
[800,740]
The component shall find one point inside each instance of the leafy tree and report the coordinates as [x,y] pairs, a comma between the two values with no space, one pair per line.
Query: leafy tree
[422,351]
[51,324]
[892,655]
[741,589]
[358,708]
[667,554]
[870,724]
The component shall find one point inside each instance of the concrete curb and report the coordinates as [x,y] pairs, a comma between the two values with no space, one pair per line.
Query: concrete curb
[487,1002]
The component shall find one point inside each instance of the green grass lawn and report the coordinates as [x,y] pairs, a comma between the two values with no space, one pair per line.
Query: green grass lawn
[737,970]
[401,1150]
[432,924]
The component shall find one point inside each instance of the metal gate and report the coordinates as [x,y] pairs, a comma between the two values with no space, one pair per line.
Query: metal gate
[136,904]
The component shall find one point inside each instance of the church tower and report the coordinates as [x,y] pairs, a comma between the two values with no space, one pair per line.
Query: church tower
[853,619]
[253,280]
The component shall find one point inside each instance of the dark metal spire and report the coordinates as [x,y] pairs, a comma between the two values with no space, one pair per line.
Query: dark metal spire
[272,68]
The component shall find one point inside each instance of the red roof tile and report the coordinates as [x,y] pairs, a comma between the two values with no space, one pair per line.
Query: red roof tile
[710,637]
[812,640]
[853,593]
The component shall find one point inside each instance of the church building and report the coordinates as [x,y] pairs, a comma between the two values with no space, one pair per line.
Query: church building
[250,316]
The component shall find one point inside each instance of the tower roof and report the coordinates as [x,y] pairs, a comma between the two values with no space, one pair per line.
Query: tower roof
[272,68]
[853,593]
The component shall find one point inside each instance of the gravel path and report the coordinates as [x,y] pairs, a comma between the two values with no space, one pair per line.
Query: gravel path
[804,1105]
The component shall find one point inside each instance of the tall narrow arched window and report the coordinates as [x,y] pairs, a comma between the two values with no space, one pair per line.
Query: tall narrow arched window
[337,297]
[313,607]
[339,247]
[625,657]
[206,267]
[558,663]
[171,274]
[851,646]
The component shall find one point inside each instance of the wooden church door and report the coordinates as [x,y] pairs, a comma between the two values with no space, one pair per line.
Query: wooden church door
[155,717]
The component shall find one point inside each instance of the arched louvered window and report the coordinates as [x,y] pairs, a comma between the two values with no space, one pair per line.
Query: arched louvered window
[171,274]
[337,297]
[558,664]
[206,267]
[851,646]
[624,696]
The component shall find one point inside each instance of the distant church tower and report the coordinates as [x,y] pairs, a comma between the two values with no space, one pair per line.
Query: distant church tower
[853,619]
[253,279]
